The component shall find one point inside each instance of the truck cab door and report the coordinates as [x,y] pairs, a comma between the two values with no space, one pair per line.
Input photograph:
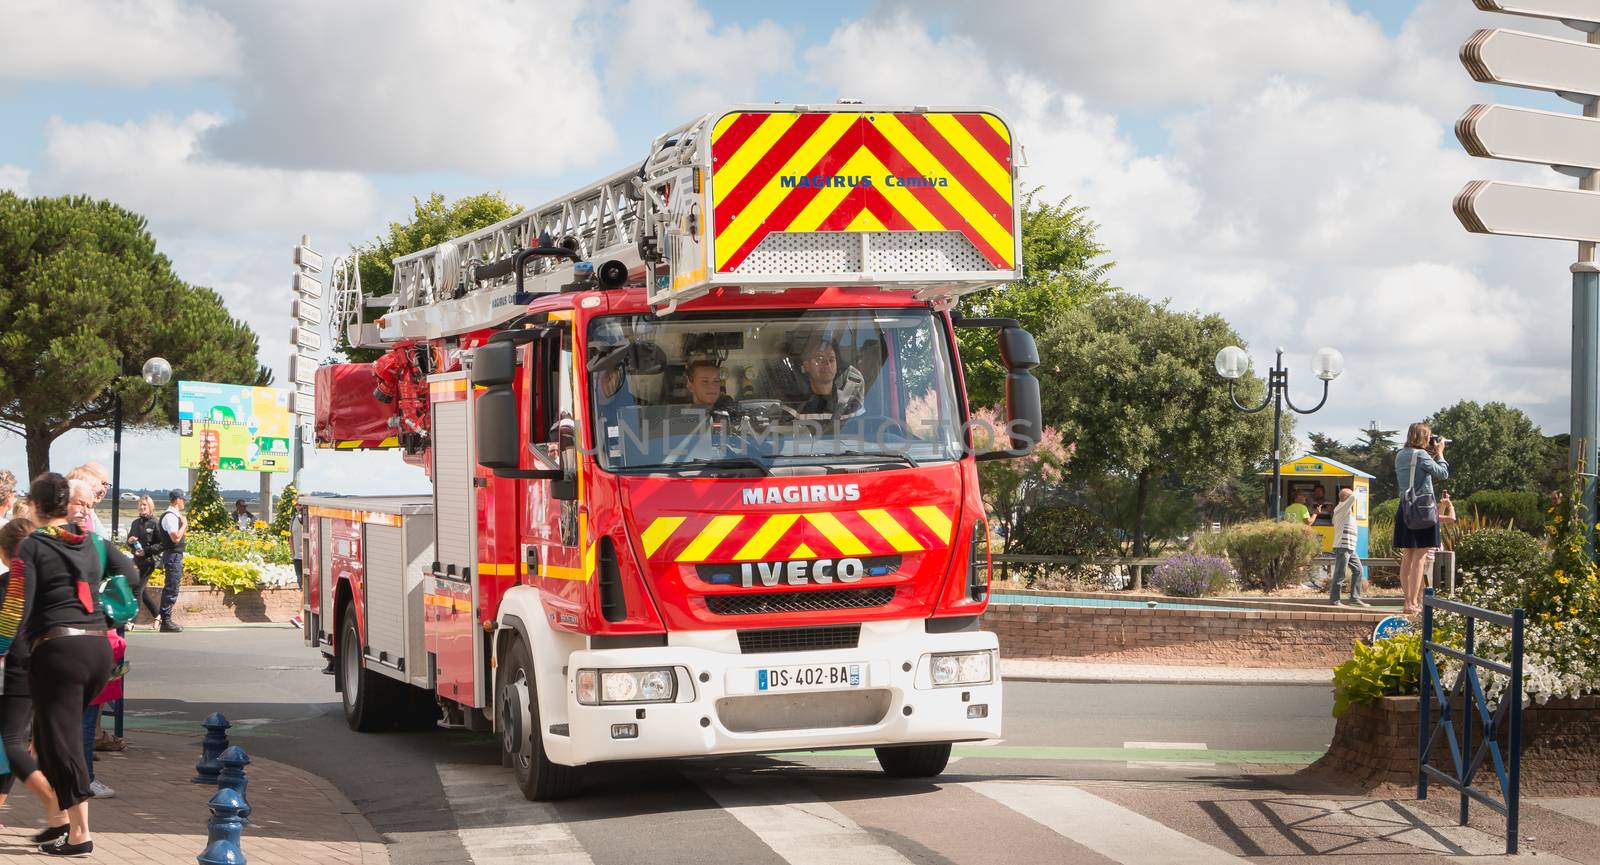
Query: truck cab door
[554,522]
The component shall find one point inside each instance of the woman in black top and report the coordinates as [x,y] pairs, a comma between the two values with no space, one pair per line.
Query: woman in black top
[16,707]
[142,535]
[52,596]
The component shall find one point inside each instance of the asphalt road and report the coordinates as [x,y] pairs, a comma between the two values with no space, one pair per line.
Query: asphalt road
[441,796]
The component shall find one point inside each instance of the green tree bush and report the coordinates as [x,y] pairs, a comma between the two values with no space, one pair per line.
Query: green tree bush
[1385,510]
[82,287]
[1131,384]
[206,511]
[1062,530]
[1493,447]
[1061,264]
[1271,555]
[1493,555]
[1520,509]
[283,511]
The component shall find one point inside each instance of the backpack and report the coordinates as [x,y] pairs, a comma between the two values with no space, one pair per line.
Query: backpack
[1418,510]
[116,597]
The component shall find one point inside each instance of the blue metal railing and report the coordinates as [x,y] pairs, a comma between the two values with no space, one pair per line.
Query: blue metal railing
[1468,690]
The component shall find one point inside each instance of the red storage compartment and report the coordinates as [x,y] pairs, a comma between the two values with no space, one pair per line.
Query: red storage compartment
[349,416]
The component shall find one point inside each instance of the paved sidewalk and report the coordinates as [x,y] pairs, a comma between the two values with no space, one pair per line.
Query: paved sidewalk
[159,816]
[1034,670]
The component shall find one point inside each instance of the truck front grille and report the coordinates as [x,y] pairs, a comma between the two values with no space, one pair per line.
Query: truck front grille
[821,710]
[799,639]
[799,602]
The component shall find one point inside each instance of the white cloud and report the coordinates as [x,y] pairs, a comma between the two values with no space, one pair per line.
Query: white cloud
[675,45]
[155,167]
[1306,201]
[481,88]
[14,178]
[1157,53]
[113,42]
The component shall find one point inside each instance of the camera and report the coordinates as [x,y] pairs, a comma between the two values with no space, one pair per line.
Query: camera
[1437,439]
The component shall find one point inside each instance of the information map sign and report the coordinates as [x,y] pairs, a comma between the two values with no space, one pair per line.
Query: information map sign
[234,427]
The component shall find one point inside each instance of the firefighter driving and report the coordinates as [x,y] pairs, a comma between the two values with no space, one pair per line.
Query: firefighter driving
[695,455]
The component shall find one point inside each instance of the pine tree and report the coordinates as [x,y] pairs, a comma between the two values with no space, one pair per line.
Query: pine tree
[283,511]
[206,512]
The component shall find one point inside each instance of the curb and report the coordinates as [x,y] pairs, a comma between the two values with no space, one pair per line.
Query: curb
[1088,679]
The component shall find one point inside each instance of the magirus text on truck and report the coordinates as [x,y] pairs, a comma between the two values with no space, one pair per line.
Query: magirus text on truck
[696,468]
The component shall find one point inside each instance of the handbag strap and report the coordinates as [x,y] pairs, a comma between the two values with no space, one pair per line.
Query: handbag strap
[1411,482]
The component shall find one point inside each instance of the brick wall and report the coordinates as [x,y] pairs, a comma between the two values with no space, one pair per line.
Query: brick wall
[1254,638]
[205,605]
[1376,747]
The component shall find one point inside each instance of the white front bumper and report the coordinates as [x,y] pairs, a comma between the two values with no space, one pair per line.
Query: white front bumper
[912,709]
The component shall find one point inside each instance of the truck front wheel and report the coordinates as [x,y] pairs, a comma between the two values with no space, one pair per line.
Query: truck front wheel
[913,761]
[521,737]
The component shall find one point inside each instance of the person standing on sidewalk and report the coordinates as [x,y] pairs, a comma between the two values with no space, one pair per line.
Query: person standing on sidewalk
[297,530]
[99,483]
[8,495]
[51,598]
[1344,549]
[170,533]
[16,706]
[111,561]
[1416,467]
[144,542]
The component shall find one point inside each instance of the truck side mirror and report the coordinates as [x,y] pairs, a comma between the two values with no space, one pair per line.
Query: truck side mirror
[494,364]
[498,445]
[1024,406]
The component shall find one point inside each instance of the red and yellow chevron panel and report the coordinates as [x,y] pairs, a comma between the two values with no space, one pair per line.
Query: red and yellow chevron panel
[821,534]
[361,444]
[851,171]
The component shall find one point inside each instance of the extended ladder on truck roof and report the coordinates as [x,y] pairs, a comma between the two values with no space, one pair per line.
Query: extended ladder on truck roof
[764,198]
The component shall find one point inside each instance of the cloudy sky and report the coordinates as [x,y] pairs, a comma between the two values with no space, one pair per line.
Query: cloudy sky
[1286,163]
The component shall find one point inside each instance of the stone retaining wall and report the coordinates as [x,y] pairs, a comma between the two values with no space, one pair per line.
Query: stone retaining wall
[205,605]
[1375,746]
[1252,638]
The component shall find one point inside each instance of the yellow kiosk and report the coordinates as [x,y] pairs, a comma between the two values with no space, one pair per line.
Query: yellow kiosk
[1319,480]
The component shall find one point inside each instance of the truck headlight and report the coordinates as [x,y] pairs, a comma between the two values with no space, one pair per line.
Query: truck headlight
[963,668]
[596,687]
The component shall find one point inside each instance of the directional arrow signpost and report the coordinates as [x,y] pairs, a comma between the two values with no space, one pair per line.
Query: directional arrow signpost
[1567,143]
[306,308]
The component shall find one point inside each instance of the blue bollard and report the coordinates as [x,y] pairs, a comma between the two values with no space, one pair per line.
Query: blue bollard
[223,830]
[215,742]
[232,776]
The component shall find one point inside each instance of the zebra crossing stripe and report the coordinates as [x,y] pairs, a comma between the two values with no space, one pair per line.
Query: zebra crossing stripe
[1102,826]
[497,826]
[795,825]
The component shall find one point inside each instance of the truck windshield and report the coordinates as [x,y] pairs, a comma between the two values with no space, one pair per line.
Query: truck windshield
[774,393]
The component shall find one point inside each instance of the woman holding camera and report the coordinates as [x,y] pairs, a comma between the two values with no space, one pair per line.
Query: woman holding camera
[1415,467]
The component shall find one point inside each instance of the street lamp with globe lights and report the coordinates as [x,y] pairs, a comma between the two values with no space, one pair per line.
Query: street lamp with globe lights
[1233,362]
[156,372]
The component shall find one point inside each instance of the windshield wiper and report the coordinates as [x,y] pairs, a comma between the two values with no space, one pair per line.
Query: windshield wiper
[720,463]
[863,457]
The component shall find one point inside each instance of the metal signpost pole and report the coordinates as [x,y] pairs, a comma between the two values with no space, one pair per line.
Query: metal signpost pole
[1586,339]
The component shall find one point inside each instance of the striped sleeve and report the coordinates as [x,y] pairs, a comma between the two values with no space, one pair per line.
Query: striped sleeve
[13,603]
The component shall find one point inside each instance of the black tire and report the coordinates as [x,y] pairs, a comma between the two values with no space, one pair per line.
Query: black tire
[540,779]
[913,761]
[372,701]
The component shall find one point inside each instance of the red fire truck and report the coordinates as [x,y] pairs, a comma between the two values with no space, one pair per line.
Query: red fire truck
[702,474]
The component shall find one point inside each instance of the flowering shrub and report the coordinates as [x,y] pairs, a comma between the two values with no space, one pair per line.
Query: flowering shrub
[1560,596]
[205,571]
[1193,575]
[1270,554]
[257,546]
